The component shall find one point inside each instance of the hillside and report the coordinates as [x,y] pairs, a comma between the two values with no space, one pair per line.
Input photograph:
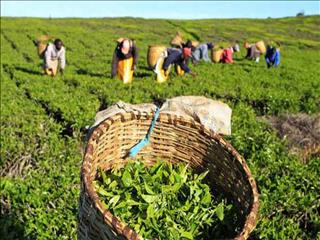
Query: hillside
[43,120]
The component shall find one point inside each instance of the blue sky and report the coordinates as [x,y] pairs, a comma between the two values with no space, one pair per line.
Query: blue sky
[159,9]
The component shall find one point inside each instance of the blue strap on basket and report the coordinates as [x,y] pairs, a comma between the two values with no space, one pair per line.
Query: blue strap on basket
[136,148]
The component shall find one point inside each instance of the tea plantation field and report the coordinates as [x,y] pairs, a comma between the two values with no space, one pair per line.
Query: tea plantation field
[43,119]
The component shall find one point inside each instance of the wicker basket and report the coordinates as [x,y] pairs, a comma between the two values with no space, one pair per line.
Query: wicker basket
[42,44]
[195,44]
[177,40]
[41,48]
[216,55]
[174,139]
[261,47]
[154,54]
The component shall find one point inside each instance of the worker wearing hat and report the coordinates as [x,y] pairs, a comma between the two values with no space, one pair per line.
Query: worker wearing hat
[178,57]
[125,49]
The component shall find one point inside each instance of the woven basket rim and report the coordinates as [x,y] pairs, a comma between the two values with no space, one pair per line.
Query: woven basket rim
[121,228]
[157,45]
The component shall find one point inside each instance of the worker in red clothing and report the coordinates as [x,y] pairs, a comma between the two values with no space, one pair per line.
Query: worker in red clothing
[227,54]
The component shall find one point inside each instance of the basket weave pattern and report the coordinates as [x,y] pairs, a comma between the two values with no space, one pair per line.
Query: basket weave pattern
[216,55]
[174,139]
[261,47]
[154,53]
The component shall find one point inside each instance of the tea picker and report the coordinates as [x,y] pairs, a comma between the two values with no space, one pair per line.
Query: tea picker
[255,50]
[173,56]
[227,54]
[201,52]
[272,56]
[252,52]
[125,59]
[52,54]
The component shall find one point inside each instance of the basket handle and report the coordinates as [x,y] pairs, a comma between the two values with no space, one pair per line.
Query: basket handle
[136,148]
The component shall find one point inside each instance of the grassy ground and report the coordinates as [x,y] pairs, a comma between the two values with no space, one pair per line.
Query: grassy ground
[43,119]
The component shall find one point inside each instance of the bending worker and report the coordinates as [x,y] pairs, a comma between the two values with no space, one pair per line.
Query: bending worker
[178,57]
[201,52]
[227,54]
[272,56]
[55,53]
[125,49]
[253,52]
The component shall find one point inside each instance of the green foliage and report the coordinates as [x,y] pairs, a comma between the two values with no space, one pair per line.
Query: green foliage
[43,118]
[289,194]
[165,201]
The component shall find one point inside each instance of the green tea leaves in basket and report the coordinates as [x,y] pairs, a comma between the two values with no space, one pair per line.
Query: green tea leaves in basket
[164,201]
[219,211]
[149,198]
[126,179]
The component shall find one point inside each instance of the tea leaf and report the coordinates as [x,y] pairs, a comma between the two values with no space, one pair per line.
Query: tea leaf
[126,179]
[149,198]
[220,211]
[113,201]
[187,235]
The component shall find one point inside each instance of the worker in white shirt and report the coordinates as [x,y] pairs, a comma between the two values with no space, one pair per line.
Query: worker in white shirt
[55,53]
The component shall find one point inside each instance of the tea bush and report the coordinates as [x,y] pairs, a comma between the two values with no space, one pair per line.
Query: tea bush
[43,119]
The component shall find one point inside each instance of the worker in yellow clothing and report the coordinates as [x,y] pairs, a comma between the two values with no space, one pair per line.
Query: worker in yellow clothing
[125,59]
